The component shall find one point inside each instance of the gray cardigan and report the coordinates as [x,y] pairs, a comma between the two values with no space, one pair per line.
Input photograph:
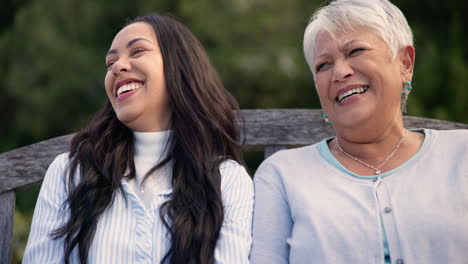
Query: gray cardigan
[308,211]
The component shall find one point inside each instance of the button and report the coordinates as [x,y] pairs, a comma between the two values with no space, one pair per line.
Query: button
[399,261]
[388,210]
[375,179]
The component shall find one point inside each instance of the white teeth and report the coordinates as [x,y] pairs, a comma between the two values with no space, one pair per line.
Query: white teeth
[352,91]
[128,87]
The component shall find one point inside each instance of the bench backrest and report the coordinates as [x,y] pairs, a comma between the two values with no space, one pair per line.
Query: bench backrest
[273,130]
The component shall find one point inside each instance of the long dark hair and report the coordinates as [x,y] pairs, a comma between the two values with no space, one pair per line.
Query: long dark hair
[204,134]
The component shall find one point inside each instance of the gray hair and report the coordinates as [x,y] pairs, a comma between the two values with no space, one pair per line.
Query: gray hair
[342,15]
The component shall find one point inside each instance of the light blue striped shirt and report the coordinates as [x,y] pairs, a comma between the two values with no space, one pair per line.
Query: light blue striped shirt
[131,230]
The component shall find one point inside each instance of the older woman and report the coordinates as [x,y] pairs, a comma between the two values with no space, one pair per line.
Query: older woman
[376,192]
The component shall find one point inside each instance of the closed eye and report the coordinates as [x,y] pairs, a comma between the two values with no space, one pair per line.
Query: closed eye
[109,64]
[355,51]
[322,66]
[136,51]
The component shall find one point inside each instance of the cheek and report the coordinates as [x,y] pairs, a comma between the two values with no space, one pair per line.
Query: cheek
[108,83]
[321,88]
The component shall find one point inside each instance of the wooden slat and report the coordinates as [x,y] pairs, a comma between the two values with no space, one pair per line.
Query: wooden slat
[306,126]
[419,122]
[7,209]
[27,165]
[276,127]
[284,127]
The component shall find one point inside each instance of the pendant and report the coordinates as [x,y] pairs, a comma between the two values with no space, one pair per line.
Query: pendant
[377,172]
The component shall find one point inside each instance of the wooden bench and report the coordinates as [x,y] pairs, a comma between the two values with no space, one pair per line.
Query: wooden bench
[272,130]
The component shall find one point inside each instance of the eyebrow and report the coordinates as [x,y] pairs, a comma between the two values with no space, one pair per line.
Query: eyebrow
[349,43]
[345,46]
[130,43]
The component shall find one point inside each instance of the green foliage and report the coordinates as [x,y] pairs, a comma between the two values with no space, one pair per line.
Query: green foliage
[441,70]
[52,55]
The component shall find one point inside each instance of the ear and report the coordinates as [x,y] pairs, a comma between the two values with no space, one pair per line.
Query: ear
[407,57]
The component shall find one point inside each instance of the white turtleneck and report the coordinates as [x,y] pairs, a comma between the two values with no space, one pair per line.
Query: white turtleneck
[149,151]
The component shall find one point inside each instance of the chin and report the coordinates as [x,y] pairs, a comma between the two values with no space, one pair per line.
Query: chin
[126,118]
[350,121]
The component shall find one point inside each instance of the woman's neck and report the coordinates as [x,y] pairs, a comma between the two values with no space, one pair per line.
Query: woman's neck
[374,152]
[371,143]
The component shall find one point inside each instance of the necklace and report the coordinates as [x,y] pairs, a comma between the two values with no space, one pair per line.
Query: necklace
[376,169]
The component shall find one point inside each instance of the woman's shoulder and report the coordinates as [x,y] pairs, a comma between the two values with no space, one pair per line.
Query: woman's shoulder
[229,164]
[58,168]
[60,162]
[461,134]
[62,159]
[291,157]
[54,186]
[234,174]
[290,162]
[449,138]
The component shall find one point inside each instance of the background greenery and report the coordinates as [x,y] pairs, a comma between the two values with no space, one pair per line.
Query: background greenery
[52,62]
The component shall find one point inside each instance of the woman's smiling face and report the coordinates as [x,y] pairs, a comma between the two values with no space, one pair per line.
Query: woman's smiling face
[357,78]
[135,82]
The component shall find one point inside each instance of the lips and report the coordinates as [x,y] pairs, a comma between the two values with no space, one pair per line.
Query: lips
[128,88]
[350,91]
[127,85]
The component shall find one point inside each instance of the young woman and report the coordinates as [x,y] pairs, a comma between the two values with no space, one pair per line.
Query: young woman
[156,177]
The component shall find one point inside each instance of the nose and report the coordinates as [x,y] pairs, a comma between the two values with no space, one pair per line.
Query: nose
[122,65]
[342,71]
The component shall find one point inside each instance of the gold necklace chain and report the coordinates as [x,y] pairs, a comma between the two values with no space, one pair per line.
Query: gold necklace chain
[376,169]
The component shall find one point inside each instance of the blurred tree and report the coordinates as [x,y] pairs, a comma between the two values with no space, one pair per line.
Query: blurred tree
[441,71]
[256,45]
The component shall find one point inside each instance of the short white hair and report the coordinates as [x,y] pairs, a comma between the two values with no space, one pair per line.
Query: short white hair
[344,15]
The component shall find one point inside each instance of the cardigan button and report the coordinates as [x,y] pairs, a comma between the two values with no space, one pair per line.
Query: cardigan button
[399,261]
[388,210]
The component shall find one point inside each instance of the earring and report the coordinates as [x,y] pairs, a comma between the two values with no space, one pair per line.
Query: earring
[325,118]
[404,95]
[407,88]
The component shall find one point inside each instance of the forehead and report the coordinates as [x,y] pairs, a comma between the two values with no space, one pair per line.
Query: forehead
[327,43]
[133,31]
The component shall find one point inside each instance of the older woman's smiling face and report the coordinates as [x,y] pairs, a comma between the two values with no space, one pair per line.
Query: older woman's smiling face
[357,78]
